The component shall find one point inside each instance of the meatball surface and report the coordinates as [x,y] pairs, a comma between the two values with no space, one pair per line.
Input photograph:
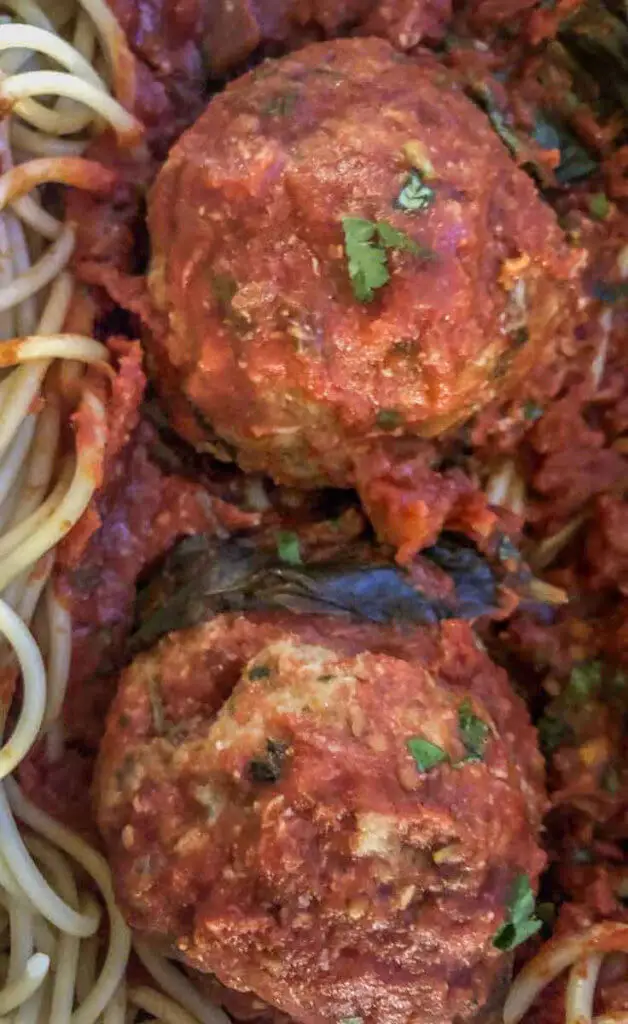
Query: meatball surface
[328,814]
[262,337]
[236,28]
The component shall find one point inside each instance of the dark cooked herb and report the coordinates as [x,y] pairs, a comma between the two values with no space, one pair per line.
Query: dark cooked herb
[289,547]
[521,921]
[282,104]
[576,162]
[582,855]
[366,243]
[520,337]
[546,913]
[610,291]
[415,195]
[611,781]
[426,755]
[259,672]
[268,767]
[482,95]
[554,732]
[389,419]
[203,577]
[584,682]
[532,411]
[473,731]
[599,206]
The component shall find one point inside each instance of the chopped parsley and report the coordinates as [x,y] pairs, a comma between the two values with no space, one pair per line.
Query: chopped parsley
[350,1020]
[289,547]
[415,194]
[584,681]
[473,731]
[611,781]
[268,767]
[599,206]
[426,755]
[521,921]
[366,245]
[259,672]
[389,419]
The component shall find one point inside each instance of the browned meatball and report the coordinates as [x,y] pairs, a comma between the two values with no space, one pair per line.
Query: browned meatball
[236,28]
[343,249]
[328,814]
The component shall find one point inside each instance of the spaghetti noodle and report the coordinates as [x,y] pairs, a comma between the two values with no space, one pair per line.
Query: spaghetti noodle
[55,962]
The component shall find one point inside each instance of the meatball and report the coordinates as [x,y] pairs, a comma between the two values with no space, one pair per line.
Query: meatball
[342,168]
[234,30]
[330,815]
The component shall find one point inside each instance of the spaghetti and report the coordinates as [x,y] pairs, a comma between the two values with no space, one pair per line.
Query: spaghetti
[56,963]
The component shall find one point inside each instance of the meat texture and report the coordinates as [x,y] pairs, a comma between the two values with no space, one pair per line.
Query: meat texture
[327,814]
[264,334]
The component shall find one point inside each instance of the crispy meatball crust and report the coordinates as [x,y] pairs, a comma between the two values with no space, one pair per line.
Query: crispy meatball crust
[263,814]
[262,339]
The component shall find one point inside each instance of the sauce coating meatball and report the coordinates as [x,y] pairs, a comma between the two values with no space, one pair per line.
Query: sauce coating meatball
[330,815]
[338,169]
[235,30]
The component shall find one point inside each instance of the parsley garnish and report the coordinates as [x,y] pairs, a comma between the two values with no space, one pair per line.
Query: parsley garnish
[608,291]
[366,242]
[584,681]
[350,1020]
[426,755]
[473,731]
[520,923]
[289,547]
[389,419]
[415,194]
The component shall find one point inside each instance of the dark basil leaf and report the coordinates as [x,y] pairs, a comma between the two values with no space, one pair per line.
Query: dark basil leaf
[473,731]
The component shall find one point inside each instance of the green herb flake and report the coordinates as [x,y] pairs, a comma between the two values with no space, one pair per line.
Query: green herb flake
[473,731]
[426,755]
[576,162]
[259,672]
[599,206]
[611,292]
[350,1020]
[366,243]
[415,196]
[521,921]
[584,682]
[289,547]
[532,411]
[389,419]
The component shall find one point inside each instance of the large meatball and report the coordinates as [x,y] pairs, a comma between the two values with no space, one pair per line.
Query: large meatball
[266,335]
[237,28]
[330,815]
